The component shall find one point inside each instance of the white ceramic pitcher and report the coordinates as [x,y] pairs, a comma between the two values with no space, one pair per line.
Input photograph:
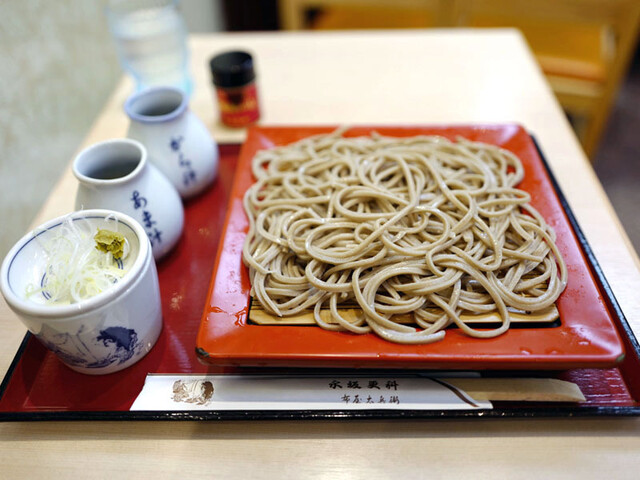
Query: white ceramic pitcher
[116,175]
[178,143]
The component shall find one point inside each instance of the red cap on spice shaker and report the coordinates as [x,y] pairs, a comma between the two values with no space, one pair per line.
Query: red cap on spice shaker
[234,78]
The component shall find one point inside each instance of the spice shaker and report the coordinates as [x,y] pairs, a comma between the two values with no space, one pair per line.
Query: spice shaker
[235,82]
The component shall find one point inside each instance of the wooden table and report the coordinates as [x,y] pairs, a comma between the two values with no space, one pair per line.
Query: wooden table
[408,77]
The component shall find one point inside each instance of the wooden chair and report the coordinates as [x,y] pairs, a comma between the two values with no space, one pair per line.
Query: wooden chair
[364,14]
[583,46]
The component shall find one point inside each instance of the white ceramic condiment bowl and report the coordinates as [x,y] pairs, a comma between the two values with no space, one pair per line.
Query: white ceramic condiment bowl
[103,333]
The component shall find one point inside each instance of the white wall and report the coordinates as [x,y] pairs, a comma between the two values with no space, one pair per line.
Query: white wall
[57,68]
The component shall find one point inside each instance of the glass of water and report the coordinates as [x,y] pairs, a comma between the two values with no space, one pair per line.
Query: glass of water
[151,41]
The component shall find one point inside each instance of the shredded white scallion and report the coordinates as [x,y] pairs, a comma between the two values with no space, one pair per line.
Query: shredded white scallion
[76,270]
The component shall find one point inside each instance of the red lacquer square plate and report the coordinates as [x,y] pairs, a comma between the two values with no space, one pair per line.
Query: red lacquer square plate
[586,337]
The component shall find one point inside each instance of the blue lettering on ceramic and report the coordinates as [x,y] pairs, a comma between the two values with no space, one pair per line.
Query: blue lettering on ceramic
[138,201]
[188,175]
[147,221]
[155,235]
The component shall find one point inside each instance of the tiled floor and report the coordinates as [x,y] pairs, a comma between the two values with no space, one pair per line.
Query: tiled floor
[617,162]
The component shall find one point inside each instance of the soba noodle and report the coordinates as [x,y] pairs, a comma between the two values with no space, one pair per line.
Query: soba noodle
[420,225]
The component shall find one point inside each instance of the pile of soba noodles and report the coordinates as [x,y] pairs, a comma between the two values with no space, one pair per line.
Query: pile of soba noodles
[421,226]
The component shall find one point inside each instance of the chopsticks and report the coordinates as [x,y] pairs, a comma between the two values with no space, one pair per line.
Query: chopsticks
[517,389]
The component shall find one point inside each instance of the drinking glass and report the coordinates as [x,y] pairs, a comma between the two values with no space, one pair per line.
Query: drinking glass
[151,41]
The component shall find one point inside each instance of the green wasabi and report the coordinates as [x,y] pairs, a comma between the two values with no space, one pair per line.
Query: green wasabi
[108,241]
